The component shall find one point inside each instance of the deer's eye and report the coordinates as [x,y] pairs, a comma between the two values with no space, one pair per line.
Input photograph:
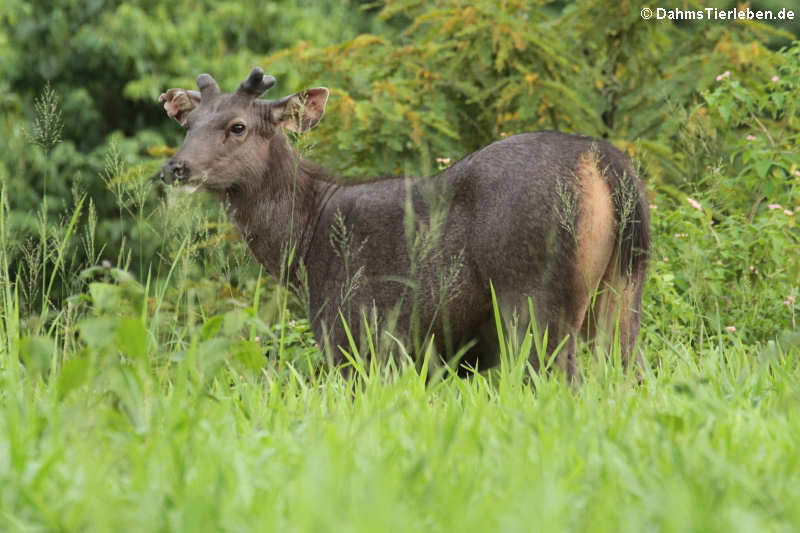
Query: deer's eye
[237,129]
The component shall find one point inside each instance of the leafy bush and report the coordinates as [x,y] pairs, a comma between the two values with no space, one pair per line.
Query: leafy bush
[729,249]
[460,76]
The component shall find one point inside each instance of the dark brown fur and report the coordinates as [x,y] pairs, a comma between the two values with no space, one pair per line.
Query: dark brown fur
[557,218]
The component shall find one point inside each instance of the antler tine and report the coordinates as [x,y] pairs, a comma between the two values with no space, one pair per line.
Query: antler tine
[208,86]
[256,84]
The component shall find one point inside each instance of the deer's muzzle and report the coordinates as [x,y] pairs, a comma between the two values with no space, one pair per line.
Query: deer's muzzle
[174,171]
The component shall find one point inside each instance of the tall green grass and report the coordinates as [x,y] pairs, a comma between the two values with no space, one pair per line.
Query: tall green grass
[144,439]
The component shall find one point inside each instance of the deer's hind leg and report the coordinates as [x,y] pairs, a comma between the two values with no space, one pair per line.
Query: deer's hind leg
[554,314]
[617,310]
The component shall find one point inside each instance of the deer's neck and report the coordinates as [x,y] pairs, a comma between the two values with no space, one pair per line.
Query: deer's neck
[277,216]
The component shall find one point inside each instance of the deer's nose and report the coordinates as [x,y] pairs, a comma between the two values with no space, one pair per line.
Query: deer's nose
[174,171]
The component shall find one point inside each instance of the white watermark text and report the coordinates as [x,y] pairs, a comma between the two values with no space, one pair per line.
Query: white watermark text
[715,14]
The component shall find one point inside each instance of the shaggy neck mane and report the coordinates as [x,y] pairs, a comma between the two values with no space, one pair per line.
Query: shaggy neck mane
[276,208]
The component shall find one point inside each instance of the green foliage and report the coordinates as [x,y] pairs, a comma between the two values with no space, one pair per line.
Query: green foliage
[463,75]
[740,228]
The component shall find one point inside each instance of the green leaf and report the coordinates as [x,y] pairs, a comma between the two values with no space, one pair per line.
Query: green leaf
[132,337]
[133,293]
[249,354]
[211,327]
[211,355]
[762,167]
[105,296]
[234,321]
[73,374]
[36,352]
[98,332]
[725,113]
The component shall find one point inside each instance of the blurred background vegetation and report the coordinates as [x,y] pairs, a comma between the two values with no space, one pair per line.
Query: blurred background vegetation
[709,110]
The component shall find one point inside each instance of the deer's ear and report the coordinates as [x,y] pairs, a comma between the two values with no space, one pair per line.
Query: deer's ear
[301,111]
[179,102]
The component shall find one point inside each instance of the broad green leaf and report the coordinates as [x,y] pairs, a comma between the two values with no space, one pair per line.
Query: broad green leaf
[98,332]
[249,354]
[762,167]
[234,321]
[105,297]
[73,374]
[132,337]
[37,352]
[211,327]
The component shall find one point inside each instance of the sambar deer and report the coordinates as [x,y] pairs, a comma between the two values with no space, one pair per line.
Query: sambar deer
[550,218]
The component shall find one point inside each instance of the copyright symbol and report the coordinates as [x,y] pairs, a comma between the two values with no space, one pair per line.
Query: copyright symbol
[646,13]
